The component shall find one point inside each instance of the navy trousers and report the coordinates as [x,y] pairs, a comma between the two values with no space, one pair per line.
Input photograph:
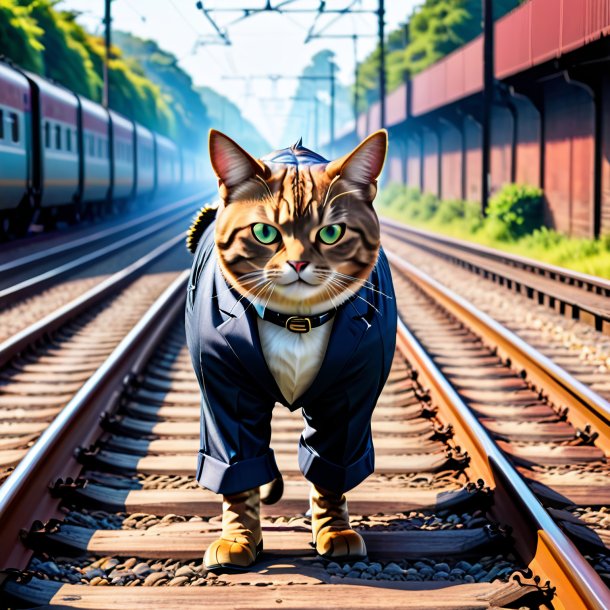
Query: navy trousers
[239,392]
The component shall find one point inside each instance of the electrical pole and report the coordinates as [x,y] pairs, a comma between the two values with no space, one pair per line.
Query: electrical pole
[488,94]
[382,83]
[332,108]
[355,42]
[107,41]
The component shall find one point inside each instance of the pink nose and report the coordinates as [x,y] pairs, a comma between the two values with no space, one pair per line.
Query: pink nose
[298,265]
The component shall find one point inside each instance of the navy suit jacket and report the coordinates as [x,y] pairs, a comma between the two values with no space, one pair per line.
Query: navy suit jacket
[223,340]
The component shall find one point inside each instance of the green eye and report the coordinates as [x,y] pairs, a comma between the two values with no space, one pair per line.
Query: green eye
[331,234]
[265,233]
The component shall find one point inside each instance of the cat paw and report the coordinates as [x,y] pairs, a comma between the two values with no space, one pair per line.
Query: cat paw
[345,544]
[237,553]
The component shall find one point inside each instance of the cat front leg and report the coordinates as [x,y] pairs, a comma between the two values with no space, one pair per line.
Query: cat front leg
[241,541]
[333,536]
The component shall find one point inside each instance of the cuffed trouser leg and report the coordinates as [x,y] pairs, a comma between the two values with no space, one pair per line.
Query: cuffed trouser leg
[336,448]
[220,477]
[332,476]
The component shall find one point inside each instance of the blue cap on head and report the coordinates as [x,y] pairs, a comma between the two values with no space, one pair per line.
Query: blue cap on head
[297,154]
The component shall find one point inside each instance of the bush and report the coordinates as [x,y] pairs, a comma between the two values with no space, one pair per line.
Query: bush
[426,207]
[449,211]
[515,211]
[512,212]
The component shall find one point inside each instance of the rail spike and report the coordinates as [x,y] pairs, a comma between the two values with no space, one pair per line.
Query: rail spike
[61,488]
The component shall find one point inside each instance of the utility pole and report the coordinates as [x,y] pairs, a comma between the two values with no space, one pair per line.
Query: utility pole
[107,42]
[282,7]
[488,95]
[355,43]
[382,83]
[332,108]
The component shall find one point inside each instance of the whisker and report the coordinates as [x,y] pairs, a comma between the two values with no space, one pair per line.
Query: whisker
[346,289]
[368,285]
[233,286]
[254,298]
[243,296]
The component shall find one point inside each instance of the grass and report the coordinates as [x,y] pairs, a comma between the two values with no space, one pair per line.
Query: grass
[511,225]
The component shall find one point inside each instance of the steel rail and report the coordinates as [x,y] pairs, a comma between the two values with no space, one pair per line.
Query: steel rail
[586,408]
[111,285]
[576,295]
[77,424]
[29,260]
[549,552]
[24,289]
[569,277]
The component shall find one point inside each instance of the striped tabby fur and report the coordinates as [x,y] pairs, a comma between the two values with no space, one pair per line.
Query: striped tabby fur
[297,192]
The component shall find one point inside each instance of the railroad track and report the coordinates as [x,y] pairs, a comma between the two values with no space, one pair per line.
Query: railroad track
[36,284]
[578,296]
[576,347]
[449,522]
[45,290]
[43,365]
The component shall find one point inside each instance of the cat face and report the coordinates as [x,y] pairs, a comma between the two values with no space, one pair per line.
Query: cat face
[294,232]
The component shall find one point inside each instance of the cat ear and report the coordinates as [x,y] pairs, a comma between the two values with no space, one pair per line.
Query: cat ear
[230,162]
[364,164]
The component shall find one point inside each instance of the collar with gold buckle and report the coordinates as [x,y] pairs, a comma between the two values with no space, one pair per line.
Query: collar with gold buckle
[297,324]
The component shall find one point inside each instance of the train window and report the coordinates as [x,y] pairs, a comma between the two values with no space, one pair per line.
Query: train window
[14,126]
[69,140]
[91,146]
[47,134]
[57,137]
[1,124]
[100,145]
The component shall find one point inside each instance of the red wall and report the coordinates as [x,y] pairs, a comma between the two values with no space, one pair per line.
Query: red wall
[472,134]
[528,143]
[605,202]
[414,161]
[501,147]
[430,162]
[569,158]
[395,164]
[451,162]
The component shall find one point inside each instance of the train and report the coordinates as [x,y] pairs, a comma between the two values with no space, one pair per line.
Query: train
[65,158]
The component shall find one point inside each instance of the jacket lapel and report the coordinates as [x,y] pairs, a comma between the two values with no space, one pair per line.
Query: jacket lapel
[240,331]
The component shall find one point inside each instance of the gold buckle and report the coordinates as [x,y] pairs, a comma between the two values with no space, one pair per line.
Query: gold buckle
[298,325]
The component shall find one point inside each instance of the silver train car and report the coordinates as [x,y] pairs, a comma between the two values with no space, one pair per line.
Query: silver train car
[64,157]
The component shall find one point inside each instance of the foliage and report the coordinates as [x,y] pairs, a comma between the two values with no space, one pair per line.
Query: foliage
[162,69]
[515,211]
[434,30]
[66,59]
[20,36]
[39,37]
[500,228]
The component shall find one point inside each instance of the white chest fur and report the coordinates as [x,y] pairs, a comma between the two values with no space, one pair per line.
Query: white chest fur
[294,359]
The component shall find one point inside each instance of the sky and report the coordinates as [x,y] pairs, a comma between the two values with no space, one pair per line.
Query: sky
[267,43]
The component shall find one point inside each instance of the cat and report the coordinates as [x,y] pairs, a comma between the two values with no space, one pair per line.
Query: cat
[290,300]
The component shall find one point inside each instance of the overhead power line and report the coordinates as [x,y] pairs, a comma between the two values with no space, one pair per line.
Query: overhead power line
[283,7]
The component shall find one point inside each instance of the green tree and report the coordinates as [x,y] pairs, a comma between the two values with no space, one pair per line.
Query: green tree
[20,36]
[131,92]
[436,29]
[66,60]
[162,68]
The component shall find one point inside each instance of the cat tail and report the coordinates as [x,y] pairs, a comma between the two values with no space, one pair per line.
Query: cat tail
[202,221]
